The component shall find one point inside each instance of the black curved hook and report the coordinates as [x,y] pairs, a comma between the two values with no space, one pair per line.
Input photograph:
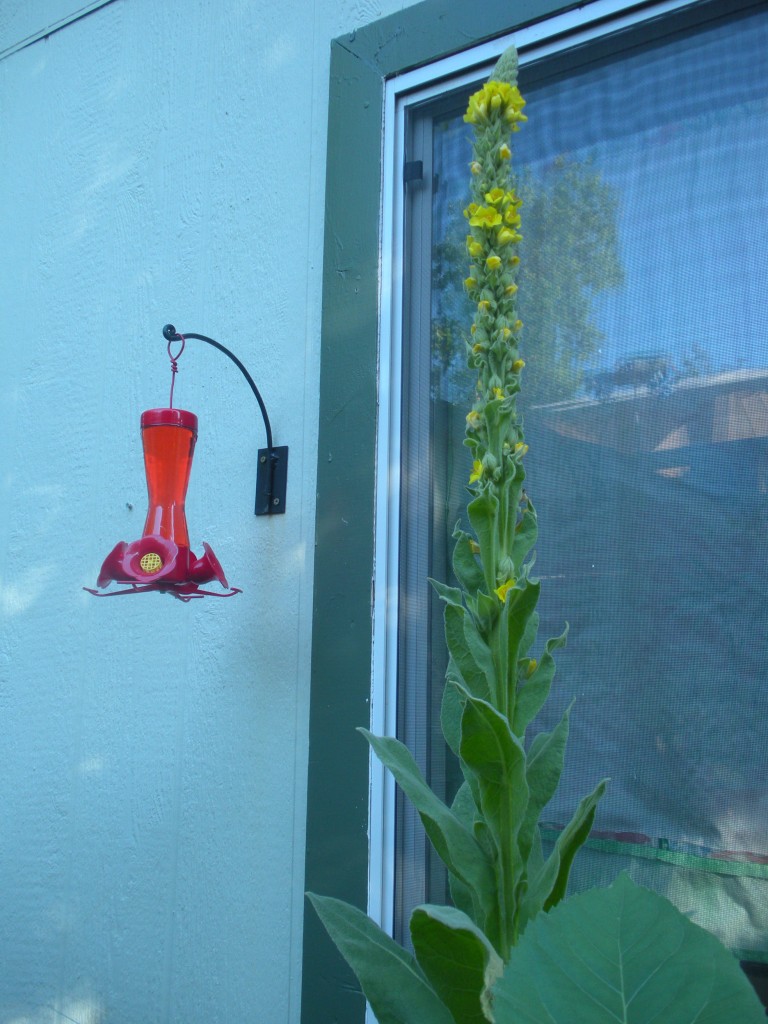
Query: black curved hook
[272,468]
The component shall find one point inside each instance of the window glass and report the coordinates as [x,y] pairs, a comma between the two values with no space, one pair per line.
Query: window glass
[644,294]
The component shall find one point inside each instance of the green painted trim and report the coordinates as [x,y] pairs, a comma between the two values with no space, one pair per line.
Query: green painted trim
[337,817]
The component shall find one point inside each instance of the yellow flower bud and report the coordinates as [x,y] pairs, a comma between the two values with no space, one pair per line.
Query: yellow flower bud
[498,393]
[511,289]
[475,167]
[474,420]
[505,152]
[477,471]
[484,306]
[501,592]
[470,283]
[518,365]
[506,236]
[493,262]
[495,196]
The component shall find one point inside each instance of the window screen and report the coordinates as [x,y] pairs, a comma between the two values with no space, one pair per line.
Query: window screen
[644,294]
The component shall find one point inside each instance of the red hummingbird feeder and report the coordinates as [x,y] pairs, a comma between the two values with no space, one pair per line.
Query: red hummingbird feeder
[161,559]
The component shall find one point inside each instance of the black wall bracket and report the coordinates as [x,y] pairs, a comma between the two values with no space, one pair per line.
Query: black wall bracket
[272,467]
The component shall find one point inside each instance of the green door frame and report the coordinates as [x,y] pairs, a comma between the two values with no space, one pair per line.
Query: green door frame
[337,816]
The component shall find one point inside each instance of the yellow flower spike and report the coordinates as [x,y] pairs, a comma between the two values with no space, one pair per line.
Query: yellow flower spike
[477,471]
[505,152]
[493,262]
[474,419]
[518,365]
[501,592]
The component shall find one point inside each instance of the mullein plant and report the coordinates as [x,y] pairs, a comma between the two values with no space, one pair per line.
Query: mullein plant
[502,885]
[489,837]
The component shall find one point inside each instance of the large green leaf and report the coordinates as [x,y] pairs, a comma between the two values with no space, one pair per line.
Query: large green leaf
[622,955]
[454,844]
[457,959]
[391,980]
[496,759]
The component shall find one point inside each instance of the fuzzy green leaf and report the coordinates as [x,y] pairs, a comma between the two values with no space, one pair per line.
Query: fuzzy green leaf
[391,980]
[532,695]
[569,842]
[482,512]
[622,955]
[470,656]
[519,606]
[526,533]
[529,634]
[454,844]
[465,564]
[451,709]
[451,595]
[458,961]
[543,770]
[496,760]
[463,807]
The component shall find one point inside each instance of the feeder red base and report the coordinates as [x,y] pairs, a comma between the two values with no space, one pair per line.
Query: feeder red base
[154,563]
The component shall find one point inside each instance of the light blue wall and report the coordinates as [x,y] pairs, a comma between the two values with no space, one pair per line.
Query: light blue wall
[158,161]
